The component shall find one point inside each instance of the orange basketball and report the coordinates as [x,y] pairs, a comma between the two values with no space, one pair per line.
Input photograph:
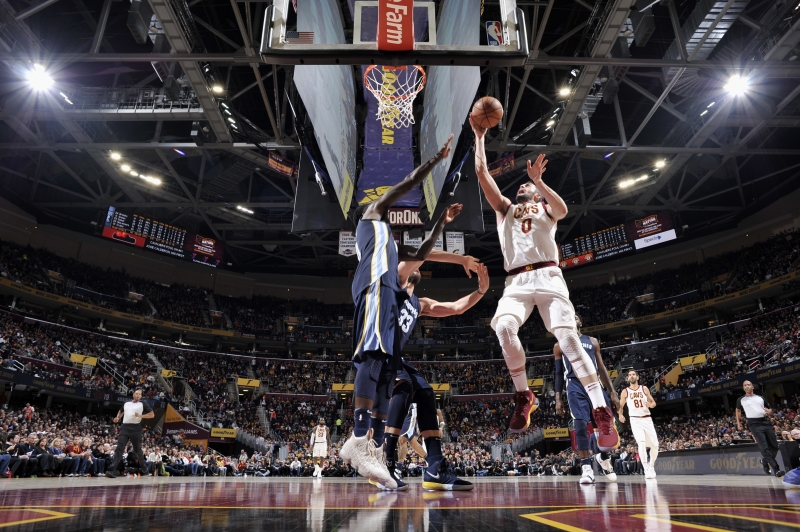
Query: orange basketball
[487,112]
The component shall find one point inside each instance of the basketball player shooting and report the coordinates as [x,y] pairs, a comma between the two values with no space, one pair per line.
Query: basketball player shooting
[639,403]
[527,239]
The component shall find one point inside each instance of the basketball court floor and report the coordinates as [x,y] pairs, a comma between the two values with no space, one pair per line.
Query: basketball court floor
[708,503]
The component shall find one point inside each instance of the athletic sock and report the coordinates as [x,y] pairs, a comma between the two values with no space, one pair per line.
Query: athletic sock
[434,458]
[595,393]
[361,427]
[604,456]
[586,461]
[520,380]
[378,427]
[391,447]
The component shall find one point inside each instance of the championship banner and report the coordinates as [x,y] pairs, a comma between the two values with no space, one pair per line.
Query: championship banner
[562,432]
[168,373]
[388,153]
[501,166]
[223,433]
[347,243]
[455,243]
[75,358]
[248,383]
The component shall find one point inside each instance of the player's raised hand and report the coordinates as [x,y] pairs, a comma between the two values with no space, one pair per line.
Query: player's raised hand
[451,212]
[537,168]
[478,130]
[470,265]
[445,151]
[483,278]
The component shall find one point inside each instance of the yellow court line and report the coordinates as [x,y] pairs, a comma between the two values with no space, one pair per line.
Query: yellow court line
[554,524]
[51,515]
[742,517]
[682,523]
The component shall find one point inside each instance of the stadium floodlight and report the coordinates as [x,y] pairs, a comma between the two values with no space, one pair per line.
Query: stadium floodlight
[661,164]
[218,89]
[243,209]
[134,173]
[564,91]
[626,183]
[179,152]
[551,123]
[39,79]
[736,85]
[116,156]
[125,168]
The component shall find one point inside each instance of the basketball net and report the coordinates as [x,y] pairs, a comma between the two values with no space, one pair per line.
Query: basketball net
[395,88]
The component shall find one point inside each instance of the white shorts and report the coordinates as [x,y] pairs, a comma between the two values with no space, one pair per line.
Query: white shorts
[544,288]
[320,450]
[644,431]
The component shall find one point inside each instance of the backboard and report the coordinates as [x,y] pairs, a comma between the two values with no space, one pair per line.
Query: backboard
[283,44]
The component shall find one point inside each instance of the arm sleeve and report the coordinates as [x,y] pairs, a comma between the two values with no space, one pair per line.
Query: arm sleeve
[559,377]
[146,408]
[739,404]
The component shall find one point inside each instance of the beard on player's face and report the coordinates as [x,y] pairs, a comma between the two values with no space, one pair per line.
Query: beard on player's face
[527,193]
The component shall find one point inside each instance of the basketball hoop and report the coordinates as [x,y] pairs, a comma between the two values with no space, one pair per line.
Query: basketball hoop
[395,88]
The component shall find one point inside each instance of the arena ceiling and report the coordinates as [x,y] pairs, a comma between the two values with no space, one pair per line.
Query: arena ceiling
[645,97]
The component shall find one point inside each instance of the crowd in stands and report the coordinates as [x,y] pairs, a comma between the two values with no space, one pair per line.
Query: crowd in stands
[301,377]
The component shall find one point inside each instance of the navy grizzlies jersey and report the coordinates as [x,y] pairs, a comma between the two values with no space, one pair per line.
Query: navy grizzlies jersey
[409,311]
[587,344]
[377,257]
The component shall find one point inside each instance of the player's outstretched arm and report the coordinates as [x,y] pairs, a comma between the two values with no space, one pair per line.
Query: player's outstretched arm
[555,205]
[602,373]
[498,202]
[469,263]
[436,309]
[410,259]
[409,183]
[622,399]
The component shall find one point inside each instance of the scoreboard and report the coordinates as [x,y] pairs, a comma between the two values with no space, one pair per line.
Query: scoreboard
[153,235]
[618,240]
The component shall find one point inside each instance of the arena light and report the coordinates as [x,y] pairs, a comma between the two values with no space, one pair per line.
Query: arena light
[179,152]
[551,123]
[630,182]
[39,79]
[704,112]
[661,164]
[218,89]
[564,91]
[116,156]
[244,209]
[736,85]
[134,173]
[607,155]
[125,168]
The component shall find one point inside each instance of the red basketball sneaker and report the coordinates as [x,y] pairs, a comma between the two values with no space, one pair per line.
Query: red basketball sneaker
[526,404]
[607,436]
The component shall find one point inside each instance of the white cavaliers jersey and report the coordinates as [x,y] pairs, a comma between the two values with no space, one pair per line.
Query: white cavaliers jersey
[637,402]
[527,236]
[319,436]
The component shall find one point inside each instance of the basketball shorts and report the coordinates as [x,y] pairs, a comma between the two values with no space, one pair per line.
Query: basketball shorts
[580,406]
[644,431]
[320,450]
[410,374]
[545,289]
[409,429]
[375,320]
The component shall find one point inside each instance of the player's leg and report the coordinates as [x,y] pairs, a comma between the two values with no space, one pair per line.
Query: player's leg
[419,449]
[640,436]
[581,410]
[759,435]
[438,475]
[396,412]
[651,438]
[513,310]
[552,298]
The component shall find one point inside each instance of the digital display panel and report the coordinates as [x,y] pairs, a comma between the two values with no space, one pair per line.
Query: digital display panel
[618,240]
[153,235]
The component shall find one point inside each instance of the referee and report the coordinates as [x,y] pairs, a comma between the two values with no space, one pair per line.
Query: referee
[756,410]
[132,414]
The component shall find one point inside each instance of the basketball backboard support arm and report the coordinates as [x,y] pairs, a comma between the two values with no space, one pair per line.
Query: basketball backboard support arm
[275,49]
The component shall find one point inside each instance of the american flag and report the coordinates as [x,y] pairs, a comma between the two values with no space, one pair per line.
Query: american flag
[300,37]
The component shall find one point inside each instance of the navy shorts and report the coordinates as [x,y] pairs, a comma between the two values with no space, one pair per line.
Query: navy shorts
[375,321]
[409,429]
[580,406]
[409,374]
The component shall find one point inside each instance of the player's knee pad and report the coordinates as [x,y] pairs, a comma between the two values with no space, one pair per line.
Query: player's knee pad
[580,435]
[507,329]
[426,410]
[570,344]
[398,407]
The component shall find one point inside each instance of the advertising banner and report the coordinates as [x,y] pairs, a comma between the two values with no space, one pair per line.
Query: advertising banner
[176,424]
[75,358]
[223,433]
[168,373]
[439,245]
[408,216]
[411,241]
[455,243]
[737,460]
[501,166]
[282,165]
[248,383]
[347,243]
[578,260]
[562,432]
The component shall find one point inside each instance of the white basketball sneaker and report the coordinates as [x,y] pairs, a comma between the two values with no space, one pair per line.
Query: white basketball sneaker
[649,471]
[605,466]
[587,476]
[360,454]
